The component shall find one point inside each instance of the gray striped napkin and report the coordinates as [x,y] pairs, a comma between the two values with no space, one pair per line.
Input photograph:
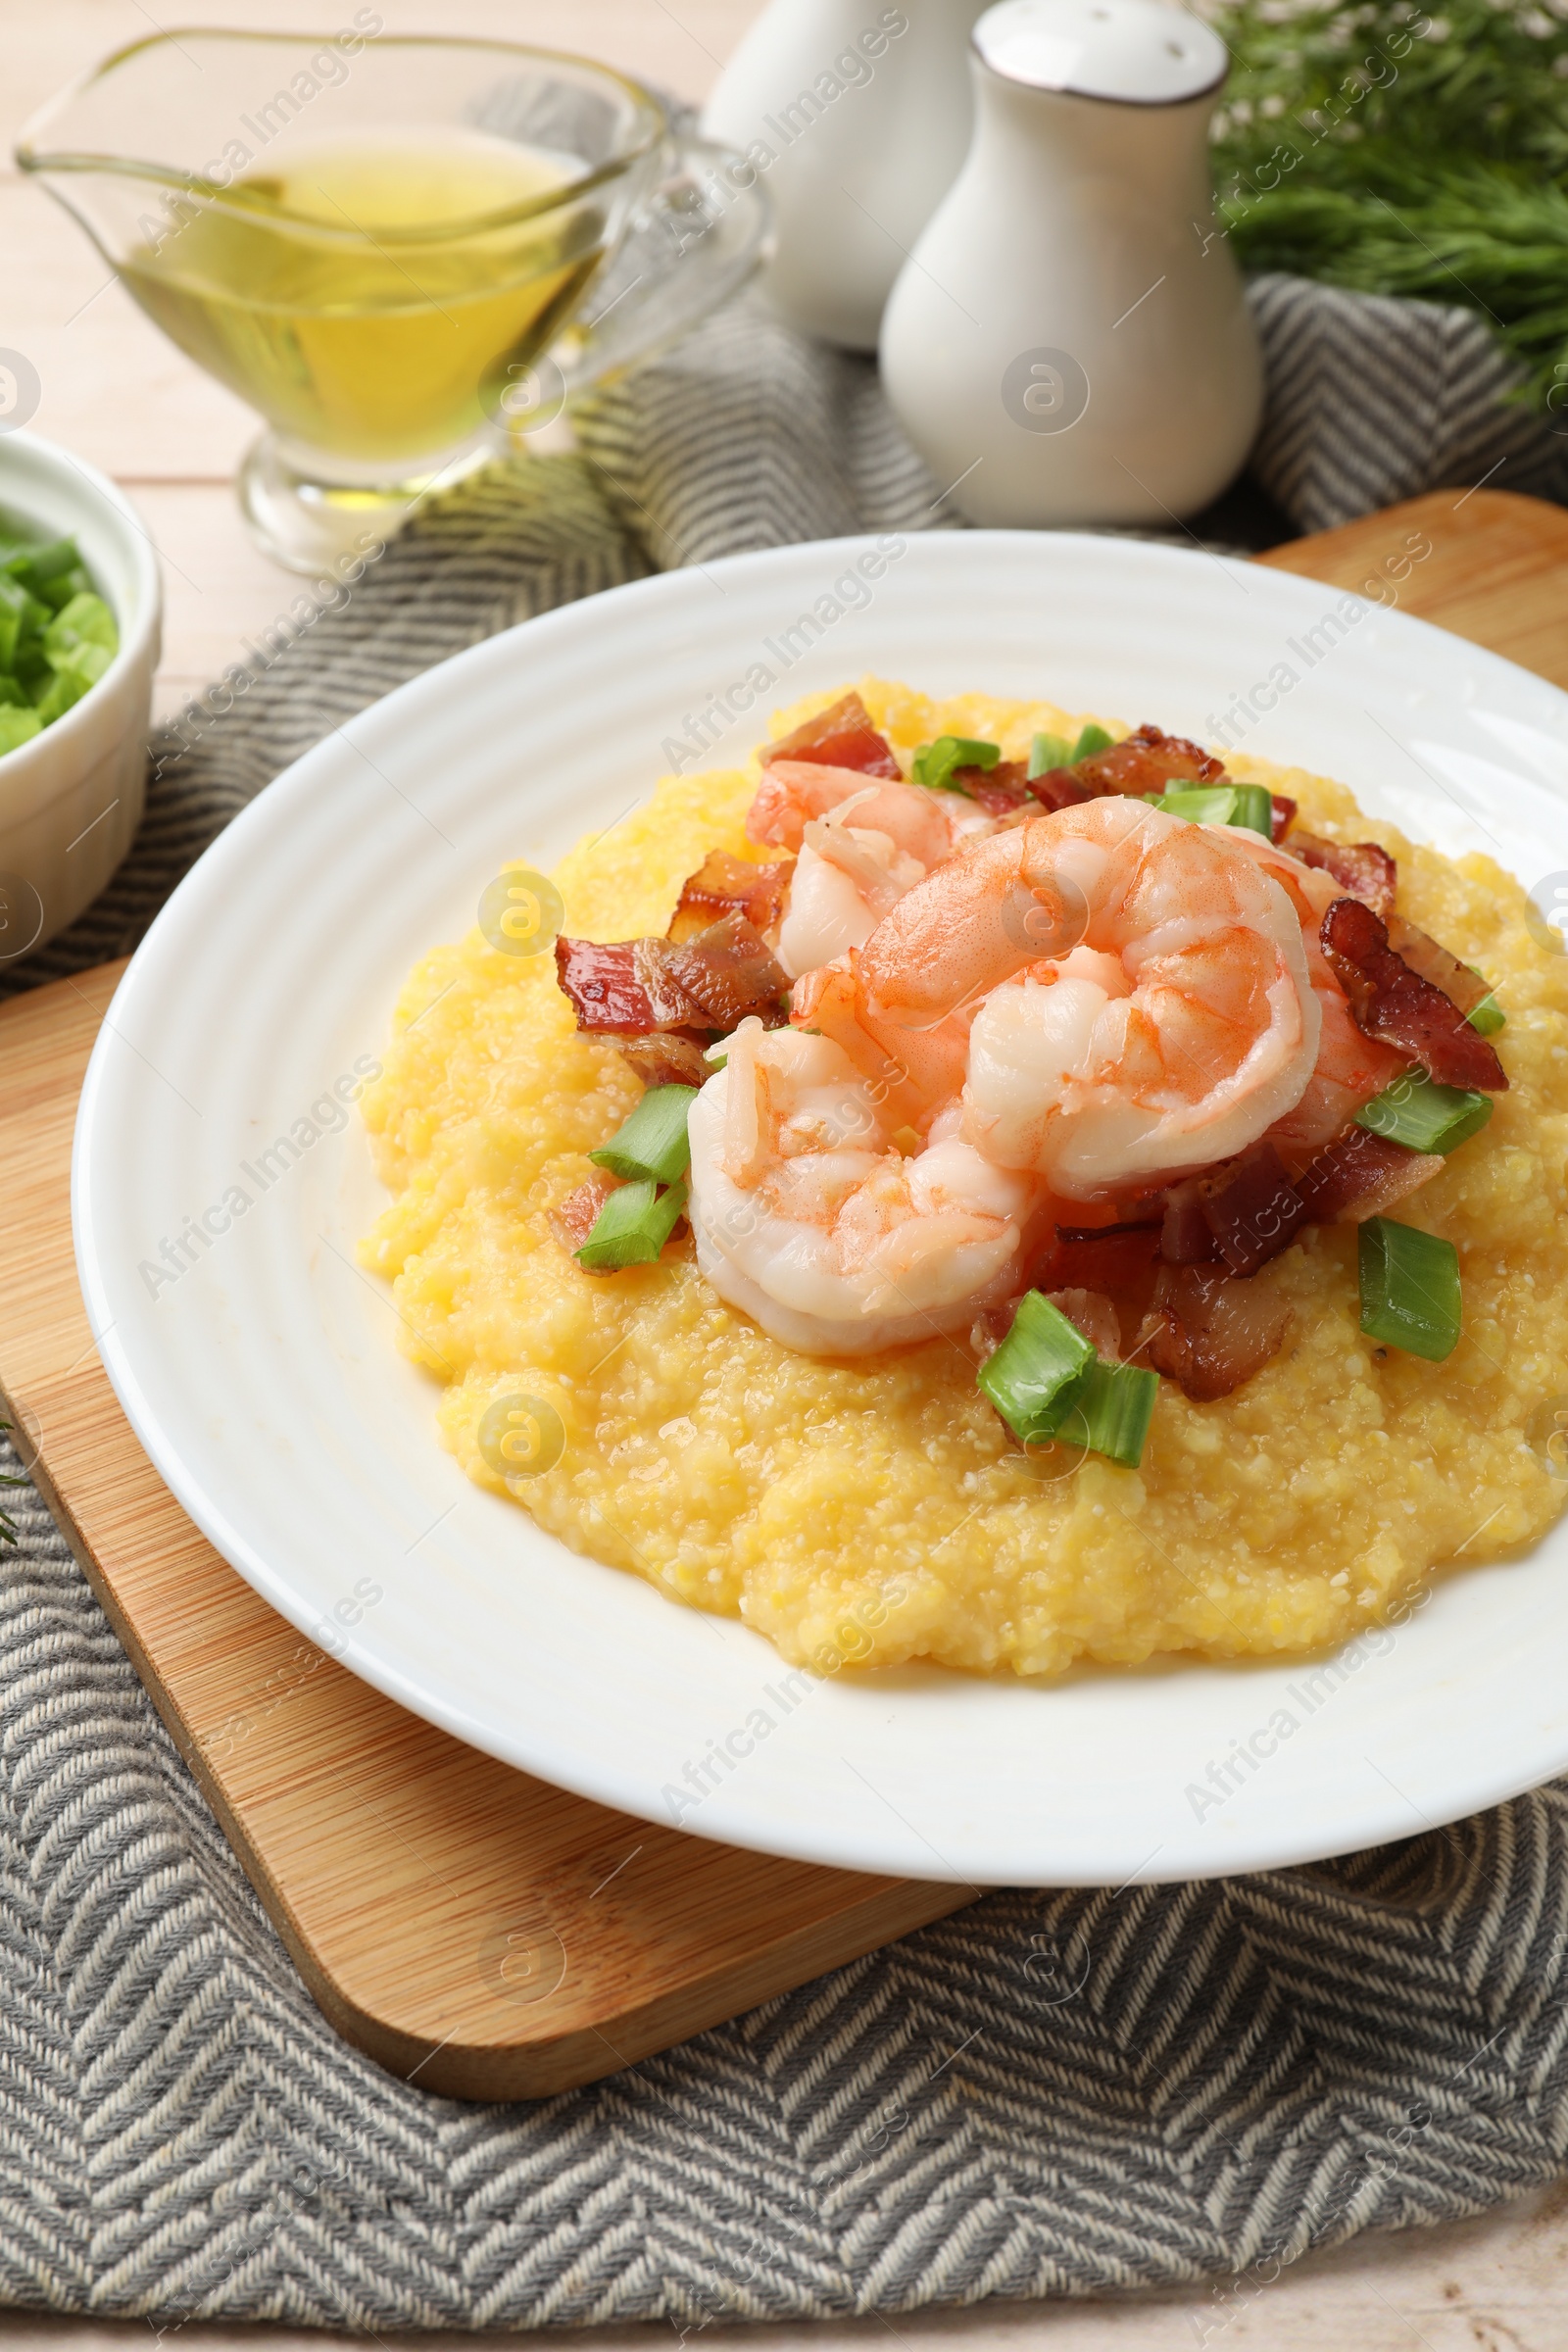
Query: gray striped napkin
[1047,2094]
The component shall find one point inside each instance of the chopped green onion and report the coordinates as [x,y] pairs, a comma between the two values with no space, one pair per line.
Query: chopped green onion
[633,1226]
[18,725]
[654,1140]
[1109,1409]
[1488,1016]
[1199,804]
[1047,752]
[84,627]
[34,566]
[1415,1110]
[1030,1377]
[1409,1288]
[1046,1381]
[1254,809]
[1091,739]
[934,762]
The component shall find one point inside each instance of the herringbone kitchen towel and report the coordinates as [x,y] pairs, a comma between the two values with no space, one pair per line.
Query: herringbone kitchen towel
[1045,2094]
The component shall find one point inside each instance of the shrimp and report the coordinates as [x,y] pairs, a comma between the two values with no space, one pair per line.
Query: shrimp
[927,824]
[807,1217]
[845,878]
[1114,996]
[846,875]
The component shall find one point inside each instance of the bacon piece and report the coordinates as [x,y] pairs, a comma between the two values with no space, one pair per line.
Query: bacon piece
[1116,1261]
[990,1327]
[1148,760]
[1095,1315]
[628,985]
[1359,1175]
[998,790]
[1251,1208]
[601,983]
[1281,817]
[1395,1004]
[726,885]
[1209,1331]
[1422,952]
[1362,867]
[1058,787]
[673,1006]
[840,736]
[574,1219]
[729,970]
[1184,1236]
[667,1058]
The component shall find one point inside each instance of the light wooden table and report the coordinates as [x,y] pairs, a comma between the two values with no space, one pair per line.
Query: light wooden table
[120,395]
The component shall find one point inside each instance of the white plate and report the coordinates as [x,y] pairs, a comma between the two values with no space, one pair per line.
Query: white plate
[266,1385]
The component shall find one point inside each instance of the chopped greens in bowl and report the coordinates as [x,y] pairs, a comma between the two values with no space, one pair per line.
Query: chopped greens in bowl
[57,634]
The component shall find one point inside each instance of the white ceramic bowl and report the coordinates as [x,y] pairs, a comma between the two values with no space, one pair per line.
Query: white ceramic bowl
[72,799]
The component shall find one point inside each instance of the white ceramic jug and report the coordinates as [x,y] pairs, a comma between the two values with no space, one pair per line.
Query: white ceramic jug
[1069,342]
[856,117]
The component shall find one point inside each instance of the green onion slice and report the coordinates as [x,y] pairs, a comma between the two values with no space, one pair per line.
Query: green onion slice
[1409,1288]
[654,1140]
[934,762]
[1030,1377]
[1428,1117]
[1489,1016]
[1046,1381]
[1059,750]
[1254,809]
[1199,804]
[633,1226]
[1110,1410]
[1048,752]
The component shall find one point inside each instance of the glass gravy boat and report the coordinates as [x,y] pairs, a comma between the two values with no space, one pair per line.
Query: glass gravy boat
[405,252]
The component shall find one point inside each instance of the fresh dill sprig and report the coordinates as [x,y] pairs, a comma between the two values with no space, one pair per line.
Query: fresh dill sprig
[1391,151]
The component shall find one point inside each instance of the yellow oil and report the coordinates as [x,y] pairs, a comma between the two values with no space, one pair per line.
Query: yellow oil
[350,295]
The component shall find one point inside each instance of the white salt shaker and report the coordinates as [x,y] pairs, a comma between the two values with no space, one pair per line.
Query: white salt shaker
[1069,342]
[855,117]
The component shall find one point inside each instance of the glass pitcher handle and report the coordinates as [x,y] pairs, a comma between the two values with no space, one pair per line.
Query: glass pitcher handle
[697,235]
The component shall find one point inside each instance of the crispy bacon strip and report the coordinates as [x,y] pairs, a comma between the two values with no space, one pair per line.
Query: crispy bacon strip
[1058,787]
[1209,1331]
[729,971]
[574,1218]
[666,1059]
[1425,956]
[840,736]
[1362,867]
[998,790]
[1117,1262]
[1148,760]
[1281,817]
[629,986]
[1095,1315]
[1251,1208]
[726,885]
[1395,1004]
[601,983]
[1359,1175]
[1186,1237]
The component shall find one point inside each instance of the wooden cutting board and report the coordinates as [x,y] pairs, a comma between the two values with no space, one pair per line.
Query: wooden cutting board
[472,1929]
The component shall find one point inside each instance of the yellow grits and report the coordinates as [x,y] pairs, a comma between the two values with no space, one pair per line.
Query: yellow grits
[879,1511]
